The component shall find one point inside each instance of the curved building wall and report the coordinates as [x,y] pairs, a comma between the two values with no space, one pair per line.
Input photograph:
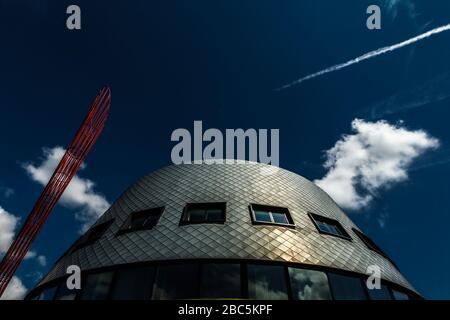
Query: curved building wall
[238,186]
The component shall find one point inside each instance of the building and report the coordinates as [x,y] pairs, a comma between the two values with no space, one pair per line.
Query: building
[243,230]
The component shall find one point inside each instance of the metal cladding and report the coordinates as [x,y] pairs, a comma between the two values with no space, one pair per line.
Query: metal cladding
[239,185]
[77,151]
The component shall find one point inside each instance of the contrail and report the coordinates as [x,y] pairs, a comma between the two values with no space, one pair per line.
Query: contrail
[369,55]
[429,92]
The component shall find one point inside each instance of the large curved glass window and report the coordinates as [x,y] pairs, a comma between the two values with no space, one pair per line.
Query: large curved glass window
[220,281]
[267,282]
[379,294]
[176,282]
[64,293]
[309,284]
[399,295]
[96,286]
[47,294]
[212,279]
[133,284]
[346,287]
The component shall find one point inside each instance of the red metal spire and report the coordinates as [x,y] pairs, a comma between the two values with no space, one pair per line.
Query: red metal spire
[81,144]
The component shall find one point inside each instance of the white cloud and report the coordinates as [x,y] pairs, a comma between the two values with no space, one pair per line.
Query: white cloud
[15,290]
[393,7]
[382,219]
[8,223]
[376,156]
[80,192]
[7,192]
[30,255]
[42,260]
[34,276]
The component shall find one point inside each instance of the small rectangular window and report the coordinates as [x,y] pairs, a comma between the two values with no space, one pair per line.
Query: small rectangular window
[372,245]
[212,212]
[329,226]
[262,214]
[95,233]
[142,220]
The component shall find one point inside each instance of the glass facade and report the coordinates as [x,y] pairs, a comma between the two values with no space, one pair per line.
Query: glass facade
[380,294]
[133,284]
[176,282]
[267,282]
[309,284]
[399,295]
[219,280]
[64,293]
[347,287]
[47,294]
[97,286]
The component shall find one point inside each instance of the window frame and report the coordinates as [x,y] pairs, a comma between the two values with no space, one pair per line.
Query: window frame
[303,268]
[270,209]
[370,244]
[204,206]
[88,238]
[127,225]
[318,218]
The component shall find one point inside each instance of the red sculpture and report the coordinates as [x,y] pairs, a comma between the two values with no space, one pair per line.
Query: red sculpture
[81,144]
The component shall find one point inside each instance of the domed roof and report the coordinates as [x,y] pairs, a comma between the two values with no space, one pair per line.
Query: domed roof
[238,185]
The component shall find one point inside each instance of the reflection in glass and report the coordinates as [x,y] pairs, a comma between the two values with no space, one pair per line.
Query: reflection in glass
[97,286]
[262,216]
[214,214]
[65,293]
[133,284]
[400,295]
[327,227]
[309,284]
[346,288]
[379,294]
[220,281]
[176,282]
[196,215]
[145,219]
[279,218]
[266,282]
[47,294]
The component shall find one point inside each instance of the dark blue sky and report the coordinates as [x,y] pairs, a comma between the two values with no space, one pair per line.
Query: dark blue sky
[169,63]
